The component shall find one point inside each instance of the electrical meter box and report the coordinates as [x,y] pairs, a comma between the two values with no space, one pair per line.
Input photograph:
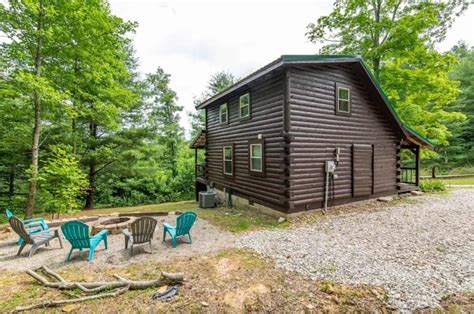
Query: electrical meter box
[330,166]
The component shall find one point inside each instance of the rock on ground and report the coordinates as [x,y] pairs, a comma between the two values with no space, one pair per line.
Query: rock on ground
[418,252]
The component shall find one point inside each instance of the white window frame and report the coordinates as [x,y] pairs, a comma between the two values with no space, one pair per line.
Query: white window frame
[252,157]
[231,160]
[339,88]
[226,113]
[240,106]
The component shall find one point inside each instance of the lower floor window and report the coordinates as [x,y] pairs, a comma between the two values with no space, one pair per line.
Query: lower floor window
[256,157]
[228,160]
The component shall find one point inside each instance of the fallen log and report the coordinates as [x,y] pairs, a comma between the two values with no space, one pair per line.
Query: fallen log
[94,289]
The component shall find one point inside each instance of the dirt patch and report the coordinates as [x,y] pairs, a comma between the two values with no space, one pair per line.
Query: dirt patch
[230,281]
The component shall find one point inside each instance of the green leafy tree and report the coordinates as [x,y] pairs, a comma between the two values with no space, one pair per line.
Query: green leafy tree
[460,151]
[61,181]
[30,29]
[217,83]
[396,38]
[164,116]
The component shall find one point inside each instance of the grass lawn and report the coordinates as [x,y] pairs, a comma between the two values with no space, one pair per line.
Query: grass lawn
[460,181]
[234,220]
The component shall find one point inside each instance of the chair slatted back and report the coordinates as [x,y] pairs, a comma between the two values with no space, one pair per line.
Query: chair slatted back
[143,229]
[184,222]
[77,233]
[18,226]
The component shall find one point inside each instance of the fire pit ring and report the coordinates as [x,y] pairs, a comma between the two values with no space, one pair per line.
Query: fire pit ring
[114,225]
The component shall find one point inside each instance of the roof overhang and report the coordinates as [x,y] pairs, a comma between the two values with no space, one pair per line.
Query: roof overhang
[199,140]
[410,135]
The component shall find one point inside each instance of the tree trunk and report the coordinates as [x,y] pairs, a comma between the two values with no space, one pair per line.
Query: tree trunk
[92,171]
[37,122]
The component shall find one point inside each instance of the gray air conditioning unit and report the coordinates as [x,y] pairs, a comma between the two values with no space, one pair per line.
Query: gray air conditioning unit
[207,199]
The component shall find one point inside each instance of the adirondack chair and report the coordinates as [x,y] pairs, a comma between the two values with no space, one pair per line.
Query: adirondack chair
[36,239]
[184,222]
[32,225]
[77,233]
[142,231]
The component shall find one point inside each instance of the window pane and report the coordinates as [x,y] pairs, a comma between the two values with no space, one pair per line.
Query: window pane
[228,153]
[256,164]
[256,150]
[223,113]
[244,111]
[228,167]
[343,93]
[344,105]
[244,105]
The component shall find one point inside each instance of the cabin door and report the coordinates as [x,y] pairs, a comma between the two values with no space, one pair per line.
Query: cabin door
[362,170]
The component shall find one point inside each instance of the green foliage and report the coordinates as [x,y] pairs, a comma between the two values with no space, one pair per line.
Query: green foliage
[397,39]
[61,181]
[432,185]
[216,84]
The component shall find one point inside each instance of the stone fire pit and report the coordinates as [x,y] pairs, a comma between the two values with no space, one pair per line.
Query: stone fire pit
[114,225]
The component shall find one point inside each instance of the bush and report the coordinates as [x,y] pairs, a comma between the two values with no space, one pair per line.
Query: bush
[432,185]
[61,181]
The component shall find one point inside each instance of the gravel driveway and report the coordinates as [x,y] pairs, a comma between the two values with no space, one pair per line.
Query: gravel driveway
[418,252]
[206,239]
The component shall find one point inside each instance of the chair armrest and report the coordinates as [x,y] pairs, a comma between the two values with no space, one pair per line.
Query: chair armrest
[33,225]
[25,221]
[101,233]
[126,233]
[168,226]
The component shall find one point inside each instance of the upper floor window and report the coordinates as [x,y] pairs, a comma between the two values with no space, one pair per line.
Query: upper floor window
[257,157]
[244,106]
[223,116]
[343,99]
[228,160]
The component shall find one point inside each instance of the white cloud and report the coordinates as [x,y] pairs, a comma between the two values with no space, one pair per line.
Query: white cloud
[193,40]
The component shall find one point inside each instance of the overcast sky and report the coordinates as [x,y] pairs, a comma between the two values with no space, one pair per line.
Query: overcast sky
[194,40]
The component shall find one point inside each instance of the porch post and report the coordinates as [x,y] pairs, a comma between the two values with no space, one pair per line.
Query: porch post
[417,165]
[195,162]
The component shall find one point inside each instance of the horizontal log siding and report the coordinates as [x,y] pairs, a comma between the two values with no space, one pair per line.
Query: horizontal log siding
[266,119]
[316,131]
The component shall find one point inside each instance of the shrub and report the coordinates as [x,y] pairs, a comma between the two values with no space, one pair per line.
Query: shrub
[432,185]
[61,181]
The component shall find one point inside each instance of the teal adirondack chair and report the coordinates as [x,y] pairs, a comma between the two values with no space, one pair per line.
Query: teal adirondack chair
[77,233]
[33,225]
[184,222]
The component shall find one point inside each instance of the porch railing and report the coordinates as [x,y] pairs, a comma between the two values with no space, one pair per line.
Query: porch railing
[408,175]
[200,171]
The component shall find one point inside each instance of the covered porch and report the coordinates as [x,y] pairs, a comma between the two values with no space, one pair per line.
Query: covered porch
[410,147]
[200,169]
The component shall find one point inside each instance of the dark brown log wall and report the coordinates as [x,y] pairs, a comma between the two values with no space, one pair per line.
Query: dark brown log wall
[266,119]
[316,131]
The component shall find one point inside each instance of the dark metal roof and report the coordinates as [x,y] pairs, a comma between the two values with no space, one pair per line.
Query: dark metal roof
[312,59]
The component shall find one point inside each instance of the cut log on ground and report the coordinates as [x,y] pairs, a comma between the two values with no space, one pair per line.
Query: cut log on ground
[94,290]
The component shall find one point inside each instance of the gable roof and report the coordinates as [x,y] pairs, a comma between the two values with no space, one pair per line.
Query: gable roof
[411,134]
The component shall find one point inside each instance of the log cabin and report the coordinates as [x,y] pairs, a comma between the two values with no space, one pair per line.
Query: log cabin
[302,133]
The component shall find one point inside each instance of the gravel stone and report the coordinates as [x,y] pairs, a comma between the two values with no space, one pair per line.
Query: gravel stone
[418,252]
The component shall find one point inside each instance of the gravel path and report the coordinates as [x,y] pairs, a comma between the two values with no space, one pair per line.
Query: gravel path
[206,239]
[418,252]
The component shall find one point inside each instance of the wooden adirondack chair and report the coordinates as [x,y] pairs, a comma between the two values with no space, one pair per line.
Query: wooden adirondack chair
[35,239]
[142,231]
[32,225]
[77,233]
[184,222]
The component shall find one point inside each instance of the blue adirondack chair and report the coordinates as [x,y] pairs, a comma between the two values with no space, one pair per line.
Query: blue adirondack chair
[184,222]
[77,233]
[33,225]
